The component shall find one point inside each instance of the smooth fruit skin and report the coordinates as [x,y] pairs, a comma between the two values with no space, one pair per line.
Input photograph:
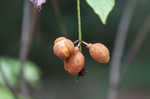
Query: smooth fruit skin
[99,52]
[59,39]
[70,45]
[63,47]
[75,63]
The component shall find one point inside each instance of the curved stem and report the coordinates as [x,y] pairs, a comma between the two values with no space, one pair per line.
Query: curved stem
[79,44]
[79,22]
[84,43]
[76,41]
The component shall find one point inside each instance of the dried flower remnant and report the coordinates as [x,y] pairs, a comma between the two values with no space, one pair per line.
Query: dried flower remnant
[82,72]
[38,3]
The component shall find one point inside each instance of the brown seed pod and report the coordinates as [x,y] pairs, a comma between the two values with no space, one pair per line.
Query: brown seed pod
[75,63]
[99,52]
[63,47]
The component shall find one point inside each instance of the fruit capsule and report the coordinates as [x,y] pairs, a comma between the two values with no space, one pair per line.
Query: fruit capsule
[75,63]
[63,47]
[59,39]
[99,52]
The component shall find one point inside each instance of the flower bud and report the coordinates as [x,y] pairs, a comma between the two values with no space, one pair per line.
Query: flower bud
[63,47]
[75,63]
[99,52]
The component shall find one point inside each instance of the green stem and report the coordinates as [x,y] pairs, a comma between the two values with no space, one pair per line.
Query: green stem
[79,22]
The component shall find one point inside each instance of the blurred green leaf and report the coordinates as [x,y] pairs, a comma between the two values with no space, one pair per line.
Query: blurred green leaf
[31,74]
[102,8]
[5,94]
[11,68]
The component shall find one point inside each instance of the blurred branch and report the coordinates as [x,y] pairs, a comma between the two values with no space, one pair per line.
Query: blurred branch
[118,49]
[13,91]
[56,7]
[136,45]
[29,20]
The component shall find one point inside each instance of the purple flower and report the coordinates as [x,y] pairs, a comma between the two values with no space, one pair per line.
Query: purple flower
[38,3]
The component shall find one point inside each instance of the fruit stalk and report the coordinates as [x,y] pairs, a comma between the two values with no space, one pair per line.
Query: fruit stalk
[79,22]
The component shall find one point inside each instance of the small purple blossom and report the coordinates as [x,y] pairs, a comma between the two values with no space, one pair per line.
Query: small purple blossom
[38,3]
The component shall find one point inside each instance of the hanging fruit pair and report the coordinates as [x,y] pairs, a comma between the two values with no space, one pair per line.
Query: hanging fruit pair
[74,59]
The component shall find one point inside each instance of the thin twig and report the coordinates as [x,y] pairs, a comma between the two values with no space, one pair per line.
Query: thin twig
[118,49]
[29,20]
[13,91]
[24,45]
[136,45]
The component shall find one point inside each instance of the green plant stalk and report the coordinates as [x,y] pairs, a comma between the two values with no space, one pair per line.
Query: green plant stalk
[79,22]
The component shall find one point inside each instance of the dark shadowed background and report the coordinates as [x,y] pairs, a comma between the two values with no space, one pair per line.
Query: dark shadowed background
[55,82]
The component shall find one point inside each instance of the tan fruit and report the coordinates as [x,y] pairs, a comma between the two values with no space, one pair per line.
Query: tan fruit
[59,39]
[63,47]
[75,63]
[99,52]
